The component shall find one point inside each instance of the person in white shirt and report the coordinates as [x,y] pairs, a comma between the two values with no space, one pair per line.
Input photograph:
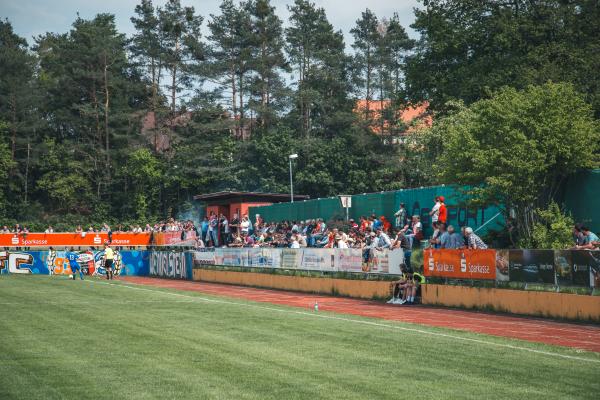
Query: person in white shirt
[294,242]
[435,211]
[341,243]
[245,225]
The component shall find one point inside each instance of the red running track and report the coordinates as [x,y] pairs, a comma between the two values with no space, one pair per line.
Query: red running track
[585,337]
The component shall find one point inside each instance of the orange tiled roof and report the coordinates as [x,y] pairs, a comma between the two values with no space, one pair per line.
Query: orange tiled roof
[414,116]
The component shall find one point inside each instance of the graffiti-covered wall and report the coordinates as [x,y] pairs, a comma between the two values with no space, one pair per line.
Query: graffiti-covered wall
[127,262]
[171,264]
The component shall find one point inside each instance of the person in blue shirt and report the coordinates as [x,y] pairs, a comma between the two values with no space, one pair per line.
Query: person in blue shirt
[72,257]
[590,239]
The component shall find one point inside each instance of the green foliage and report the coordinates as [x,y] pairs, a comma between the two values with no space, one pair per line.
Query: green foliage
[100,126]
[552,230]
[469,48]
[516,148]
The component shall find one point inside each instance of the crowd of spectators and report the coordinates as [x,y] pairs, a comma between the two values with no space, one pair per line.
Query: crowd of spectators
[369,232]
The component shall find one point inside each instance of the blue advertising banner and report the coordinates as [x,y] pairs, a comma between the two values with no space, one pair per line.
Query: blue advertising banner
[127,262]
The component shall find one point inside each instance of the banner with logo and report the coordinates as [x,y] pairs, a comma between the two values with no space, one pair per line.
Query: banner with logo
[317,259]
[126,262]
[291,258]
[532,266]
[586,267]
[460,264]
[84,239]
[349,260]
[204,257]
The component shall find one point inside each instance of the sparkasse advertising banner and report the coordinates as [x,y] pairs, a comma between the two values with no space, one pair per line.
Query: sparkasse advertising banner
[460,264]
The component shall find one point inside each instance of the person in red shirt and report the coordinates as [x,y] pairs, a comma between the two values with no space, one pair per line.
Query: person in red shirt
[443,215]
[385,223]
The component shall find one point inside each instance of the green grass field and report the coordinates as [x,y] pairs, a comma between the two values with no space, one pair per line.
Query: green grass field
[62,339]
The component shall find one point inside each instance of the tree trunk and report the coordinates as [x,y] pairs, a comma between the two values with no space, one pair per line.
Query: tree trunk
[174,79]
[241,94]
[106,108]
[27,170]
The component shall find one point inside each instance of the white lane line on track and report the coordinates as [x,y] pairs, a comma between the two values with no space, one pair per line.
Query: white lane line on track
[356,321]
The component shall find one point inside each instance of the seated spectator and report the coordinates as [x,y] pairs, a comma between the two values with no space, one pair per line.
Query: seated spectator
[384,241]
[79,229]
[589,239]
[453,240]
[49,229]
[578,236]
[5,229]
[385,224]
[435,237]
[474,241]
[404,291]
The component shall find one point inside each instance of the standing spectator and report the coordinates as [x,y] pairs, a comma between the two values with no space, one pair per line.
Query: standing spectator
[225,237]
[213,230]
[79,229]
[245,225]
[5,229]
[49,229]
[204,229]
[473,240]
[401,217]
[234,225]
[435,211]
[443,213]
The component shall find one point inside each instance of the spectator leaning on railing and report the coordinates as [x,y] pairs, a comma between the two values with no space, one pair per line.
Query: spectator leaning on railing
[474,241]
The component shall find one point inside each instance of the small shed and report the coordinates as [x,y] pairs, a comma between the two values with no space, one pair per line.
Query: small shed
[229,203]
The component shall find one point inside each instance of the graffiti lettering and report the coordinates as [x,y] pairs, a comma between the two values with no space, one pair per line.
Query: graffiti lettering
[15,262]
[168,264]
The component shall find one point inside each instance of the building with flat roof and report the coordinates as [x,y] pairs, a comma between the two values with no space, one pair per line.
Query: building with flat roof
[229,203]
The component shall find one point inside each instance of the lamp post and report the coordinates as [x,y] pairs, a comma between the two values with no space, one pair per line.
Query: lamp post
[292,157]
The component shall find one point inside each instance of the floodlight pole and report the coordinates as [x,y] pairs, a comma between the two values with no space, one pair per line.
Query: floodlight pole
[291,157]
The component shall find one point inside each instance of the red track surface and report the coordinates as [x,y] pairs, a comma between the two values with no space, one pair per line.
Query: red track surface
[586,337]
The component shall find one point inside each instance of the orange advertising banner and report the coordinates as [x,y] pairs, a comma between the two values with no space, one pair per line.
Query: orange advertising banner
[460,264]
[177,238]
[87,239]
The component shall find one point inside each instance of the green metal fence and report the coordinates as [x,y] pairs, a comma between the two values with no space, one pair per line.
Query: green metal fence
[417,202]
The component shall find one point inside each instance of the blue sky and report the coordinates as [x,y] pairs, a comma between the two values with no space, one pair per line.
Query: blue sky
[34,17]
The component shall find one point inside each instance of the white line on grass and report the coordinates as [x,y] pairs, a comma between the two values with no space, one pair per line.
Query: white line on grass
[357,321]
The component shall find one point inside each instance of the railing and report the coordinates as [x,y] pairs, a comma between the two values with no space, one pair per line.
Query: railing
[310,259]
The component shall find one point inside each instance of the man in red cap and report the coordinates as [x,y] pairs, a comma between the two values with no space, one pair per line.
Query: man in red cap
[443,212]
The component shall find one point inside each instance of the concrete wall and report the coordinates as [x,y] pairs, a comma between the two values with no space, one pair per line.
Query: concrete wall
[345,287]
[543,304]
